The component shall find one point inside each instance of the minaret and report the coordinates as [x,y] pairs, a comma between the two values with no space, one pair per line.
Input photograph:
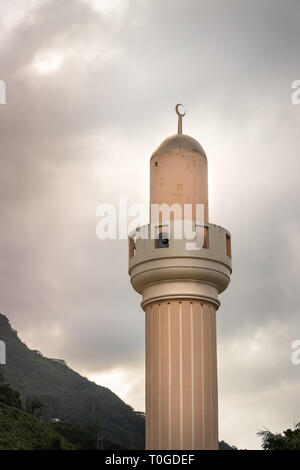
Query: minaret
[180,279]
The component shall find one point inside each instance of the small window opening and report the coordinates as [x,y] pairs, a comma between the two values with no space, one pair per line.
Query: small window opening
[132,248]
[162,240]
[202,234]
[162,237]
[228,245]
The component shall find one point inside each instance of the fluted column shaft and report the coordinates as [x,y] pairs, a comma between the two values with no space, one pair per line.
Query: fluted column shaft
[181,375]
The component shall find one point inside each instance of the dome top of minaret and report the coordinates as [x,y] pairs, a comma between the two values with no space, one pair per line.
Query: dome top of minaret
[179,142]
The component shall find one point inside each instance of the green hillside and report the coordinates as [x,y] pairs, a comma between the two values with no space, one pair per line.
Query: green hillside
[22,431]
[67,395]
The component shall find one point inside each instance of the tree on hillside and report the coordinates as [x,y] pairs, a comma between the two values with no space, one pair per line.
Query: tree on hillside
[288,440]
[34,405]
[8,396]
[224,446]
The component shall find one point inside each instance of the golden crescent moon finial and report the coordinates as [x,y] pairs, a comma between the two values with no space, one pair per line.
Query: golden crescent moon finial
[180,116]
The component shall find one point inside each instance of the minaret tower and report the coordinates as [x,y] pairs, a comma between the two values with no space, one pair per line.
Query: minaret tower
[180,279]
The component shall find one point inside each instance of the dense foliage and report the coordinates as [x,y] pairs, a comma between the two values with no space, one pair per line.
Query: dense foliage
[20,430]
[83,438]
[288,440]
[224,446]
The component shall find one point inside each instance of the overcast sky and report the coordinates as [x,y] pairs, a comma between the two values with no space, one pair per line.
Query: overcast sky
[91,90]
